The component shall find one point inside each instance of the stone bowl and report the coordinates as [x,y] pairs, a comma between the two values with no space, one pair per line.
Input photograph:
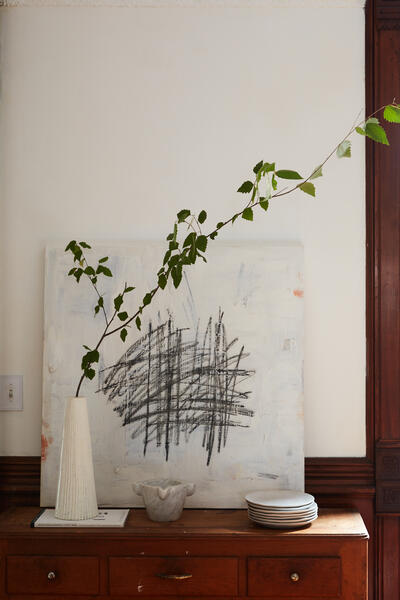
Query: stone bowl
[164,498]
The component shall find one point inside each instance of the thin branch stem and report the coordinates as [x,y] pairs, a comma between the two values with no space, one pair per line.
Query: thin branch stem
[255,194]
[95,287]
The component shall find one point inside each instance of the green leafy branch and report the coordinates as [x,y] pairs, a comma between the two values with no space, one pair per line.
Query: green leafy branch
[185,250]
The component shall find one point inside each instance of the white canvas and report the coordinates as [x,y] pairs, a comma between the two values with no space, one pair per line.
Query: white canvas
[210,391]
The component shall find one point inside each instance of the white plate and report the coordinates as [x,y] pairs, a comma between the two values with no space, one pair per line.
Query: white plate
[278,519]
[289,513]
[273,526]
[280,498]
[282,510]
[255,518]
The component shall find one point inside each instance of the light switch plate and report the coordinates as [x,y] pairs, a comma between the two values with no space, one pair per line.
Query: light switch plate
[11,392]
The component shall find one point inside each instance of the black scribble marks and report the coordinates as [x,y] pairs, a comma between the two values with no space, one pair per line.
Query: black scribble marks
[170,384]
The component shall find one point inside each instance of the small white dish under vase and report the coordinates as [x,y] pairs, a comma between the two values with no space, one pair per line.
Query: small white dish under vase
[76,492]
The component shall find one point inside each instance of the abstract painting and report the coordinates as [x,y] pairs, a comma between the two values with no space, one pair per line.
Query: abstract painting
[210,390]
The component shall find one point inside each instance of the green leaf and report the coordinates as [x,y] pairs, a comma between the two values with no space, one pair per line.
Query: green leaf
[264,203]
[138,323]
[72,271]
[201,243]
[94,279]
[192,254]
[87,347]
[90,373]
[286,174]
[268,167]
[123,316]
[101,302]
[128,289]
[174,260]
[96,309]
[89,358]
[247,214]
[376,133]
[77,253]
[234,218]
[166,257]
[317,172]
[274,182]
[258,167]
[89,271]
[70,246]
[78,274]
[344,149]
[183,214]
[118,301]
[308,188]
[220,224]
[105,270]
[246,187]
[176,274]
[190,239]
[173,245]
[170,236]
[84,245]
[162,281]
[147,299]
[104,259]
[213,235]
[392,114]
[202,217]
[361,130]
[123,333]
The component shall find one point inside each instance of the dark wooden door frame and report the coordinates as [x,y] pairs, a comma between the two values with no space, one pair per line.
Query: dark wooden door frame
[371,484]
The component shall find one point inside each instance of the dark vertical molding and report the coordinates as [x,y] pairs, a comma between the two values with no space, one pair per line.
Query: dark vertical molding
[383,292]
[370,255]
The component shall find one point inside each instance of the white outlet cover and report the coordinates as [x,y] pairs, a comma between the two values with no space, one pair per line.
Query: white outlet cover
[11,383]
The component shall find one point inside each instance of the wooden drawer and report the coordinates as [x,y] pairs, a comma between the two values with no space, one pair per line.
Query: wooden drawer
[317,577]
[173,576]
[73,575]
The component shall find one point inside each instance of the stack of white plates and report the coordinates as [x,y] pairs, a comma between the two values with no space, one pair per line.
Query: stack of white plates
[281,509]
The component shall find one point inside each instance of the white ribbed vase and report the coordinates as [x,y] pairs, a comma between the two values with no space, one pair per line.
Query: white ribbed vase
[76,493]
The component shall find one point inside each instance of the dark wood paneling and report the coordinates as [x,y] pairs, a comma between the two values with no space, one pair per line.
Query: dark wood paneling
[383,281]
[19,481]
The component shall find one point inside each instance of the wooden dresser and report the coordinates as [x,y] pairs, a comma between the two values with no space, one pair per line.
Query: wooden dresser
[213,554]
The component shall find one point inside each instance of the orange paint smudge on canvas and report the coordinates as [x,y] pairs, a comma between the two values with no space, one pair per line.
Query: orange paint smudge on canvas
[45,444]
[298,293]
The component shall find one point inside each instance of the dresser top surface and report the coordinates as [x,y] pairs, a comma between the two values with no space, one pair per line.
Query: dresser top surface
[193,523]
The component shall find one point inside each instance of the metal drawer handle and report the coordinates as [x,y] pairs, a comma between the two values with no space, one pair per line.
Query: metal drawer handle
[177,577]
[51,575]
[294,577]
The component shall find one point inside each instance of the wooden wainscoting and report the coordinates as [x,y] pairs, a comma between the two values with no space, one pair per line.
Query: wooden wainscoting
[19,481]
[336,482]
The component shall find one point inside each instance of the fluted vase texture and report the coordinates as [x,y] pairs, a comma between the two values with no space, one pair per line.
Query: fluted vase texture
[76,493]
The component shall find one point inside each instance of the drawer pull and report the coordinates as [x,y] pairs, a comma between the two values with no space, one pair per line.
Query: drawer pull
[294,577]
[51,575]
[176,577]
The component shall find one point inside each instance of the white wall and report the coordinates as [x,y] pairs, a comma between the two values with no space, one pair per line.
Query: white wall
[114,118]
